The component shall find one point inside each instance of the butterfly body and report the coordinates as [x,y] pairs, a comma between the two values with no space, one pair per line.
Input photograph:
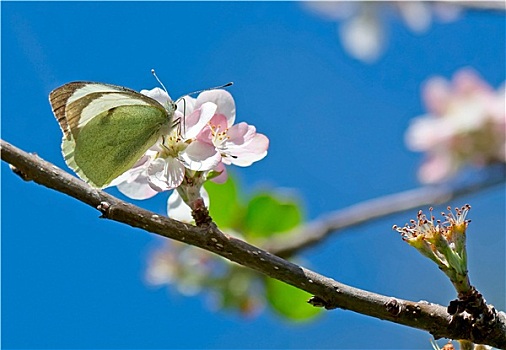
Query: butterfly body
[107,128]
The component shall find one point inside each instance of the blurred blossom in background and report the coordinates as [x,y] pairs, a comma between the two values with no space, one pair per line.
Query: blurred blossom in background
[190,271]
[363,25]
[465,125]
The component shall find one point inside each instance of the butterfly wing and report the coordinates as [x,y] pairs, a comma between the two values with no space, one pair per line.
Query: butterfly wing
[106,128]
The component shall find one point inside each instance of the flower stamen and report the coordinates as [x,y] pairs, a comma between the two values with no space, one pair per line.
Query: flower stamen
[442,242]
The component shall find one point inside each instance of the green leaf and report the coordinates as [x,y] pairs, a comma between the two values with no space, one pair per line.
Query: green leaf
[225,208]
[290,301]
[267,214]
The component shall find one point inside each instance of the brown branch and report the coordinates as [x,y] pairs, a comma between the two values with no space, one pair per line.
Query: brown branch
[480,5]
[315,232]
[327,292]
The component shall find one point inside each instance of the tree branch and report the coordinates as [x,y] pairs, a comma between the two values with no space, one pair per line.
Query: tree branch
[327,292]
[288,244]
[480,5]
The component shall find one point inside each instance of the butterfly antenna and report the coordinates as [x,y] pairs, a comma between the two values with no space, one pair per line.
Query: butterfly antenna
[159,81]
[213,88]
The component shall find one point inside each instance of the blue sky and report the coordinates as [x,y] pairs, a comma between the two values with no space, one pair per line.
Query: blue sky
[336,125]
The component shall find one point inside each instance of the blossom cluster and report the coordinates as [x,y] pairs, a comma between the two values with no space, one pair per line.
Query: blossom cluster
[203,140]
[465,125]
[364,27]
[442,242]
[190,270]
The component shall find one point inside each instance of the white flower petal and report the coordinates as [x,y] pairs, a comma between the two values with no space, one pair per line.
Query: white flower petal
[162,268]
[416,14]
[138,189]
[427,132]
[158,95]
[446,11]
[200,156]
[186,105]
[362,36]
[132,174]
[222,99]
[177,209]
[157,177]
[127,176]
[165,174]
[175,172]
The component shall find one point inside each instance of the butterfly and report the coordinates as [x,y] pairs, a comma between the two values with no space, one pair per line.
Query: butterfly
[107,128]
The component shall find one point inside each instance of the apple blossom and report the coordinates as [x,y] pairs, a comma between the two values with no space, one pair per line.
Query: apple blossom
[465,124]
[363,27]
[442,242]
[238,144]
[163,166]
[197,149]
[191,270]
[175,264]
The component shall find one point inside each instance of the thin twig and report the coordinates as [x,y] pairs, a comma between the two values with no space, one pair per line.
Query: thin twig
[315,232]
[480,5]
[327,292]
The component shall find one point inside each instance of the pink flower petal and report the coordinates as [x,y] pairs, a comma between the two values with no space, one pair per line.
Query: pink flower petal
[219,121]
[222,178]
[436,95]
[246,154]
[195,122]
[241,133]
[436,168]
[467,81]
[205,135]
